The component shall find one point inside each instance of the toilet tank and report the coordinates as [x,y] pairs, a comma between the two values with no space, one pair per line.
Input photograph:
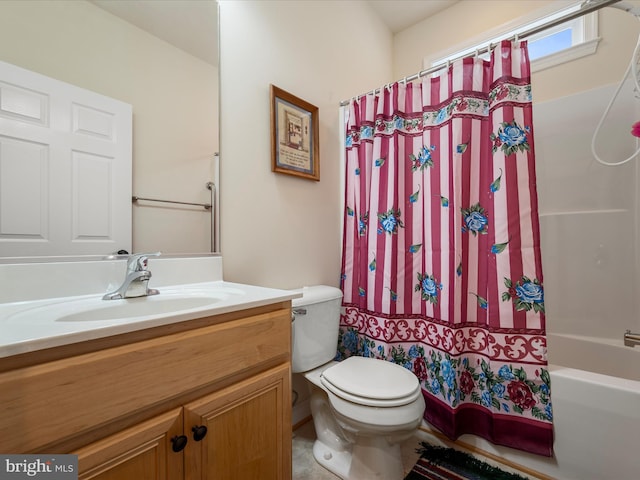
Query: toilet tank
[315,327]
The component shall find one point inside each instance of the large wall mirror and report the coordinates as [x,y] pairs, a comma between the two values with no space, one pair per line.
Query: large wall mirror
[160,57]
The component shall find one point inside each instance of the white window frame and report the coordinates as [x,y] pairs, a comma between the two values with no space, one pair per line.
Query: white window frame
[584,35]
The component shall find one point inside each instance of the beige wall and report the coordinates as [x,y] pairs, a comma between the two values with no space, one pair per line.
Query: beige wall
[174,97]
[279,230]
[468,19]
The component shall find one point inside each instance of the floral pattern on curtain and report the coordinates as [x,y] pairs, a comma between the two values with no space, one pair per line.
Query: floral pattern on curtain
[441,267]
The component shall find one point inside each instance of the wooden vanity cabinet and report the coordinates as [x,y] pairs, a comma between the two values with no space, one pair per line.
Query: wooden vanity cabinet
[209,400]
[244,426]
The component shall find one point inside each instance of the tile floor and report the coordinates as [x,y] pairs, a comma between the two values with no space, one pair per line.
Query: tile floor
[306,468]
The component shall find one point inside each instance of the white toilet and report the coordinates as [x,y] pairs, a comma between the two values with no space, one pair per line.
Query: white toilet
[362,408]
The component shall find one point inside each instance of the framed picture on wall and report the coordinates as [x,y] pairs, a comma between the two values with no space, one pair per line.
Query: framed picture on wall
[294,136]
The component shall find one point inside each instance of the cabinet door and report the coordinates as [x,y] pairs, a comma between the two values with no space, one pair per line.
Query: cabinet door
[248,430]
[142,452]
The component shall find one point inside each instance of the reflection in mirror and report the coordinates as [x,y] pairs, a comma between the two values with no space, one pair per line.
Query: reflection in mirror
[133,52]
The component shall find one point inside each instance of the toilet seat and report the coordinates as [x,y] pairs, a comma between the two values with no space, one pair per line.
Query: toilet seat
[371,382]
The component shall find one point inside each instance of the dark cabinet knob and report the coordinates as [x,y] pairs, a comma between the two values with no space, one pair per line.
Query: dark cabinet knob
[199,432]
[179,442]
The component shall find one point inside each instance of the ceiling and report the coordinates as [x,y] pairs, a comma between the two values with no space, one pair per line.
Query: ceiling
[401,14]
[192,25]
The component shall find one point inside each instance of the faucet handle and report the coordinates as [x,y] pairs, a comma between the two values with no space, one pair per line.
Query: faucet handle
[138,262]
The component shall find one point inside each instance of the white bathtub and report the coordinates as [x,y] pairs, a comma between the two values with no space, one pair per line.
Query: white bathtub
[596,413]
[598,355]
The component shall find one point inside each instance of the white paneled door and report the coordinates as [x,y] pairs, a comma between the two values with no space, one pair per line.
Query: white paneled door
[65,168]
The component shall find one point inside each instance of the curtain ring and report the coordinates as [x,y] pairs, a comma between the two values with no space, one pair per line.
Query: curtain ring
[448,64]
[477,52]
[516,39]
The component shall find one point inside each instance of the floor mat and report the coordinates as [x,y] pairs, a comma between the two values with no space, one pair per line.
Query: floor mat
[441,463]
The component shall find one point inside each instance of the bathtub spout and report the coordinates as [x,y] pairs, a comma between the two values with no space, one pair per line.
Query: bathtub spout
[631,339]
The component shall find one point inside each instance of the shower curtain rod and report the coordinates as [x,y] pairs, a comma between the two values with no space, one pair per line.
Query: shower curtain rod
[587,7]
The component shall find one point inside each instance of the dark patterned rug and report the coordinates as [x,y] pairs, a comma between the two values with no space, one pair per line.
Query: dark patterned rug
[441,463]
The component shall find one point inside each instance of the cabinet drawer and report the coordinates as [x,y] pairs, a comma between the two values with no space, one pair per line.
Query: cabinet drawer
[48,403]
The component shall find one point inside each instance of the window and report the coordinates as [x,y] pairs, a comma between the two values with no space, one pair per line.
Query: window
[562,43]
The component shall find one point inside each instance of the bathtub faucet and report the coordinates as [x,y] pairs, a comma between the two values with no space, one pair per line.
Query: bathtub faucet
[136,282]
[631,339]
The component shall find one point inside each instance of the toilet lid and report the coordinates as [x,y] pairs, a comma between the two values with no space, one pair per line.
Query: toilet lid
[369,381]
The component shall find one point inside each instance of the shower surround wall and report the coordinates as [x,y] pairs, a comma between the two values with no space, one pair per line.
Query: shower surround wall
[588,213]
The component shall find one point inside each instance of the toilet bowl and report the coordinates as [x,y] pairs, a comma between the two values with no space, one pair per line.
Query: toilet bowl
[362,408]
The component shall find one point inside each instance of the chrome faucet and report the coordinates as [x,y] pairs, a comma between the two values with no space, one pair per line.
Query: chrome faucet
[136,282]
[631,339]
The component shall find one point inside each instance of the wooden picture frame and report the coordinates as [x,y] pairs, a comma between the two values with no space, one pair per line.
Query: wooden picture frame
[294,136]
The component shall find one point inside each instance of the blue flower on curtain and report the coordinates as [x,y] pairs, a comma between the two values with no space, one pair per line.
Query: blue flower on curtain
[506,372]
[526,294]
[511,138]
[475,219]
[349,141]
[435,386]
[366,132]
[423,159]
[362,224]
[350,340]
[428,287]
[448,373]
[390,221]
[444,377]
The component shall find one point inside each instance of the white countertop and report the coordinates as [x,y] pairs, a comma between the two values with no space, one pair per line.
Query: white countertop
[34,325]
[53,303]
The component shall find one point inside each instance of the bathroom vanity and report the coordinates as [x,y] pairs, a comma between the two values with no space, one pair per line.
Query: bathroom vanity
[199,394]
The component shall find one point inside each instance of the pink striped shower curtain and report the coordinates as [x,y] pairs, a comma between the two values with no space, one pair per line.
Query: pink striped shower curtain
[441,267]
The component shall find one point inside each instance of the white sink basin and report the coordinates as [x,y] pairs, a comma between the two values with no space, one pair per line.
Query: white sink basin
[94,309]
[138,307]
